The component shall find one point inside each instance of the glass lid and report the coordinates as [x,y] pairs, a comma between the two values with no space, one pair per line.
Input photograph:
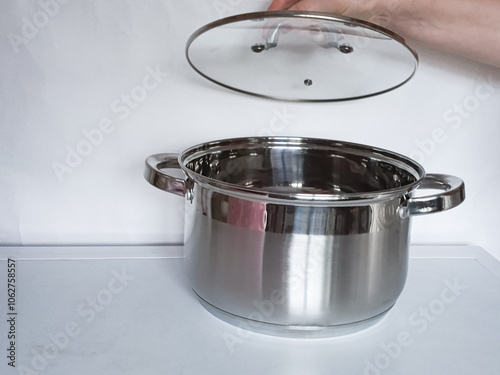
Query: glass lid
[301,56]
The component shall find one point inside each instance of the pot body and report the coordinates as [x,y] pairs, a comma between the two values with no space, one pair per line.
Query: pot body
[285,268]
[294,236]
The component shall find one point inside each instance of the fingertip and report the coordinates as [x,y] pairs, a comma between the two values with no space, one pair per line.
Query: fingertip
[281,4]
[276,5]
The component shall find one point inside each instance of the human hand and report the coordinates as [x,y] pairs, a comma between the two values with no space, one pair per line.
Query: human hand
[379,12]
[467,28]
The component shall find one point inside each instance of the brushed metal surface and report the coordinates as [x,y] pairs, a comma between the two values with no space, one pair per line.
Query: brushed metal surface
[317,267]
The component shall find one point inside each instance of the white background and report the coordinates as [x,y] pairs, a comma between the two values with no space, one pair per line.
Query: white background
[65,66]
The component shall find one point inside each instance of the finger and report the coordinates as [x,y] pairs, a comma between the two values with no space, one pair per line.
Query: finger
[282,4]
[319,6]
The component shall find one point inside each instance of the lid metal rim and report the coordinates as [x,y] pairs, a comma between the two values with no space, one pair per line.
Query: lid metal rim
[299,14]
[302,198]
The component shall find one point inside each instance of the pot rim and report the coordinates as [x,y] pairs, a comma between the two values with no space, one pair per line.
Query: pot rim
[260,194]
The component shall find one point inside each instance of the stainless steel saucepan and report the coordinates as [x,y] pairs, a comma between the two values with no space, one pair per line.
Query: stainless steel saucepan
[299,236]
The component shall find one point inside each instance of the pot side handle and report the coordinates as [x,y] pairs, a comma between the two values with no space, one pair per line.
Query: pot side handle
[453,194]
[156,177]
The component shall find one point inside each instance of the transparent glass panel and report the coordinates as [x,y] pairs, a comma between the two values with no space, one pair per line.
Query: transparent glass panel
[301,56]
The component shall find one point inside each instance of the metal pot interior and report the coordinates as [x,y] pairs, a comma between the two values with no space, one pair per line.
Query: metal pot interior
[290,166]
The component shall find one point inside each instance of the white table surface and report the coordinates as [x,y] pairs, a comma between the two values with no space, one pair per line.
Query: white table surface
[130,310]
